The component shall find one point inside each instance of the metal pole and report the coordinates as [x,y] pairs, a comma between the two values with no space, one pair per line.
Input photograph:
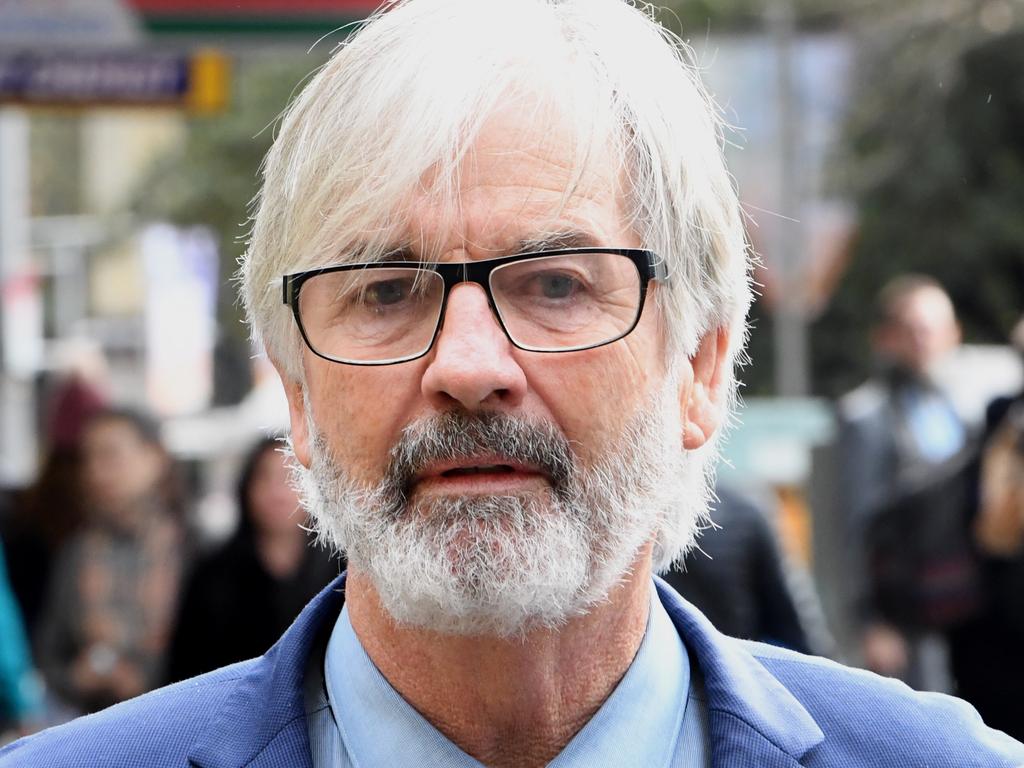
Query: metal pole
[790,334]
[19,334]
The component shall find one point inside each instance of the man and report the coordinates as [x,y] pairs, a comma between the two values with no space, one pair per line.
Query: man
[896,433]
[516,280]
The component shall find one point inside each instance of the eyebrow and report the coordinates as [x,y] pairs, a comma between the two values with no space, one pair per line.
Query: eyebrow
[558,241]
[552,242]
[398,253]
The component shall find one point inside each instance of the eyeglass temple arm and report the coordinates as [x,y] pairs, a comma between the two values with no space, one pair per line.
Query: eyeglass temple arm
[659,268]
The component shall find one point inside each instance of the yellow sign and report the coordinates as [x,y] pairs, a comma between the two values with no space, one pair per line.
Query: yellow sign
[209,80]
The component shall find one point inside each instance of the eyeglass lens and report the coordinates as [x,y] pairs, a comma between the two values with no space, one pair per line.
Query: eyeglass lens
[546,304]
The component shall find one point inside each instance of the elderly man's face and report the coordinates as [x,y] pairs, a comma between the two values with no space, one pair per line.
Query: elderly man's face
[512,190]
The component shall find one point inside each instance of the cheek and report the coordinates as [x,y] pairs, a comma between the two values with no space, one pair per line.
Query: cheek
[360,412]
[593,394]
[623,377]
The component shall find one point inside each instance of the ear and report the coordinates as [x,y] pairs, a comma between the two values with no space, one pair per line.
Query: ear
[703,401]
[297,415]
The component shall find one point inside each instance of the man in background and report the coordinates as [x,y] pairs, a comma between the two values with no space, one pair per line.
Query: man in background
[894,431]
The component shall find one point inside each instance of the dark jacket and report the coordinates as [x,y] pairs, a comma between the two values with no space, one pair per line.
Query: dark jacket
[737,576]
[234,609]
[986,652]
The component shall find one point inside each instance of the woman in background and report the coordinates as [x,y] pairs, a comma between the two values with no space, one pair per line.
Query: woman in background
[20,692]
[987,657]
[45,515]
[240,598]
[115,584]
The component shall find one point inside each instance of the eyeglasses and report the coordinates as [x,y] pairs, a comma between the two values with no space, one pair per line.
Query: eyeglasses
[550,301]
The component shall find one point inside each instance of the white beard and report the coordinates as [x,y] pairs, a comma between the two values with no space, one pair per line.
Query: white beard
[502,565]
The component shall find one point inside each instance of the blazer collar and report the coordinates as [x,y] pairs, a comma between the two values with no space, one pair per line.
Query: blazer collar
[262,722]
[753,719]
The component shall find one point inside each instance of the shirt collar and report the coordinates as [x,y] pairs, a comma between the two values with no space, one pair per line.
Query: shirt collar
[378,727]
[637,725]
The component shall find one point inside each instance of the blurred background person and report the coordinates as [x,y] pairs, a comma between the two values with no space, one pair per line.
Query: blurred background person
[987,655]
[893,430]
[242,596]
[739,578]
[115,584]
[20,692]
[47,513]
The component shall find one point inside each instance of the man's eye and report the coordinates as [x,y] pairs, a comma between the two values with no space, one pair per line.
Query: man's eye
[386,293]
[557,286]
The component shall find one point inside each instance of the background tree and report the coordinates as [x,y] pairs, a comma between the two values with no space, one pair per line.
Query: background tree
[934,160]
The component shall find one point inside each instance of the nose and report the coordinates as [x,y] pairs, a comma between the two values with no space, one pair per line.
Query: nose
[472,362]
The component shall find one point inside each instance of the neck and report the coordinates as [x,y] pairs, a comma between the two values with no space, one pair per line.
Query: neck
[508,702]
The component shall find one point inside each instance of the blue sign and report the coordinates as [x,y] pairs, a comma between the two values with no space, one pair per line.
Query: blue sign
[100,78]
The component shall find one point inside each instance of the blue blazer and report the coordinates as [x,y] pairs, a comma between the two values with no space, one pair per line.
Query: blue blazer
[767,708]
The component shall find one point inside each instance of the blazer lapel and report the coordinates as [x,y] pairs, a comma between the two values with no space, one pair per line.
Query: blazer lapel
[753,719]
[262,723]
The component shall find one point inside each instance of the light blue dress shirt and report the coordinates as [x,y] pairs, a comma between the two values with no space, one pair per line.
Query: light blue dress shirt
[655,718]
[936,428]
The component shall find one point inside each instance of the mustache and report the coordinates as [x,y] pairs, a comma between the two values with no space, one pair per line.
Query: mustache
[457,435]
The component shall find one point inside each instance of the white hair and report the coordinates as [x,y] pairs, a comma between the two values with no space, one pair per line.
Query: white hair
[404,97]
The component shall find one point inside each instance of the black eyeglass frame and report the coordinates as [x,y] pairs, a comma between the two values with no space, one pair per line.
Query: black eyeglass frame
[648,265]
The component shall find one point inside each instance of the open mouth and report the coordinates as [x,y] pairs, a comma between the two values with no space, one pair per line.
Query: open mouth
[499,469]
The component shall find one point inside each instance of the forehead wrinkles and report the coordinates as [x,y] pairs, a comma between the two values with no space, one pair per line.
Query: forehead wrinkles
[518,180]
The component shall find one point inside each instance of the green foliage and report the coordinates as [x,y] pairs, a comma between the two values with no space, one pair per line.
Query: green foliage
[936,165]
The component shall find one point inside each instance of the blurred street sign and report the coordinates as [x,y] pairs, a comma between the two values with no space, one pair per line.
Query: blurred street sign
[51,24]
[198,82]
